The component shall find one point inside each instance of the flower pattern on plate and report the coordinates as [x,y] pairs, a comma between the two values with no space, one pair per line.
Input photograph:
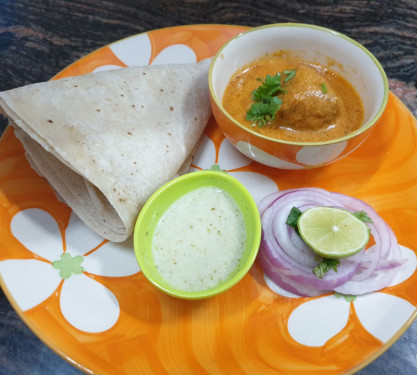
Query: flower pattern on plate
[229,160]
[85,303]
[317,320]
[137,50]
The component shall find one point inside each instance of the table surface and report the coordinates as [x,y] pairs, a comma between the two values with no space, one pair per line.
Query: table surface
[40,38]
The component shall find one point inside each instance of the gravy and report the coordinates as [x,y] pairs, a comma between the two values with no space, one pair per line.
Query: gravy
[319,104]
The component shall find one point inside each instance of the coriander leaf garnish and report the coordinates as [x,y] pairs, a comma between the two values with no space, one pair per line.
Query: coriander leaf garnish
[261,113]
[292,218]
[363,216]
[323,88]
[267,104]
[270,86]
[290,74]
[325,266]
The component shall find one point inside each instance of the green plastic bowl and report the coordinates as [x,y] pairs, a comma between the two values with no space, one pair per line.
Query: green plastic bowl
[158,203]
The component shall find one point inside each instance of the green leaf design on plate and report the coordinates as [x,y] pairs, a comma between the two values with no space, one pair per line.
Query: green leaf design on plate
[69,265]
[348,297]
[216,167]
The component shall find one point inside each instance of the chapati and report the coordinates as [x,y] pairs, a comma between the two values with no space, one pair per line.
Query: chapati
[106,141]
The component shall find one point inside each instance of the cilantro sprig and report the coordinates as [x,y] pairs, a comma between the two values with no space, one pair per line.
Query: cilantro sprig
[324,266]
[292,218]
[363,216]
[266,102]
[263,112]
[290,74]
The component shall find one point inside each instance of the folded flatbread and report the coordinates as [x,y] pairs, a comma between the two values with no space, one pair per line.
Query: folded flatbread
[106,141]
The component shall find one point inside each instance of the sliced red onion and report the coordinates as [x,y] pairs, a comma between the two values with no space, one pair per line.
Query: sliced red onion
[289,262]
[267,201]
[285,282]
[378,280]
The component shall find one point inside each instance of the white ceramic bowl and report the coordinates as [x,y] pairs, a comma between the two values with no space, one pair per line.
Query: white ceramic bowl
[306,42]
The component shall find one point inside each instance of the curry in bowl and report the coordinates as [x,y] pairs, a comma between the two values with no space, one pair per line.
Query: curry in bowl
[323,104]
[293,100]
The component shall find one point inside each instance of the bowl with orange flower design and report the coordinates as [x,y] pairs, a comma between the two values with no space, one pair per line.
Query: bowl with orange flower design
[296,96]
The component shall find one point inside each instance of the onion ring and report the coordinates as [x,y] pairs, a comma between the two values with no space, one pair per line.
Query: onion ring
[289,262]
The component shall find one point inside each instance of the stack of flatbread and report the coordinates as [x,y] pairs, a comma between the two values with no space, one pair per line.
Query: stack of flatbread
[106,141]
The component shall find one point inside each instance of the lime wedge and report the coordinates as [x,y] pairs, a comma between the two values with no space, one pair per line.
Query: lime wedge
[332,232]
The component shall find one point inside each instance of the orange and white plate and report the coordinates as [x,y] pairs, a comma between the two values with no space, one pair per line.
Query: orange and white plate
[87,299]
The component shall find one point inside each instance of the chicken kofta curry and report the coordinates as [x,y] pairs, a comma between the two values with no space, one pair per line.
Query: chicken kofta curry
[295,101]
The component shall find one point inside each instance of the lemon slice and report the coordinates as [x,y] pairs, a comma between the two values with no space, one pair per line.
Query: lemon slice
[332,232]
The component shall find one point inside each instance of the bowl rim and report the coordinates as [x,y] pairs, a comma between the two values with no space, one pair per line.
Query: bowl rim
[252,254]
[353,134]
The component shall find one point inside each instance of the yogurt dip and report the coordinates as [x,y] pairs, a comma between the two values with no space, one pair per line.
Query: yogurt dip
[199,240]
